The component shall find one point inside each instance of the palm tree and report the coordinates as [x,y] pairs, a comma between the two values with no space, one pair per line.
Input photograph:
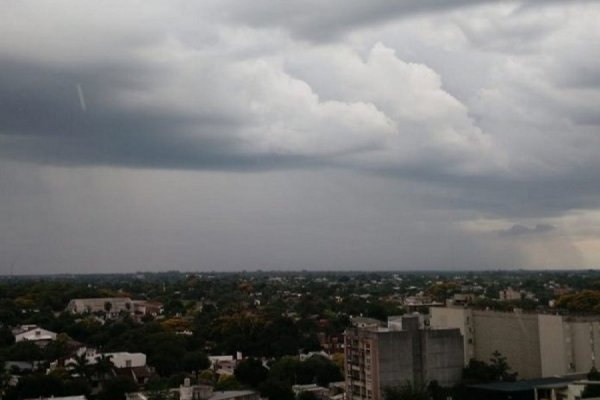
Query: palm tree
[80,366]
[4,378]
[104,366]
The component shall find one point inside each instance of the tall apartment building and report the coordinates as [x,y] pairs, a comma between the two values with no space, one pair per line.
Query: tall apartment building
[535,345]
[378,357]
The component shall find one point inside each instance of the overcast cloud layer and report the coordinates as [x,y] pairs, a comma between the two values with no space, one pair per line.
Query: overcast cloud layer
[231,135]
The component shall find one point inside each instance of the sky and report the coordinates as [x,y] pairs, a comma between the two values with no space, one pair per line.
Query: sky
[228,135]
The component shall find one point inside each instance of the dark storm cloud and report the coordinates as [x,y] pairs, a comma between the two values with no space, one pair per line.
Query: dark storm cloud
[519,230]
[317,20]
[43,122]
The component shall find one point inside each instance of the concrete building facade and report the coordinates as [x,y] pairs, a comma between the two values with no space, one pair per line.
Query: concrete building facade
[535,345]
[378,357]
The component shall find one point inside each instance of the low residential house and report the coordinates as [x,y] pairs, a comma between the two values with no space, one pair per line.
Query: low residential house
[509,294]
[136,396]
[235,395]
[319,392]
[130,365]
[121,359]
[33,333]
[72,348]
[147,308]
[337,390]
[140,375]
[331,343]
[81,397]
[418,302]
[223,365]
[112,306]
[187,391]
[461,299]
[308,355]
[364,322]
[17,367]
[561,291]
[22,328]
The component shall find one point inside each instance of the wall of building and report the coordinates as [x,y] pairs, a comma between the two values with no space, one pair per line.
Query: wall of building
[584,339]
[515,335]
[555,348]
[456,317]
[536,345]
[444,356]
[396,358]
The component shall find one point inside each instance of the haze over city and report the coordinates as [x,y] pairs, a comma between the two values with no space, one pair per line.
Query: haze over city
[341,135]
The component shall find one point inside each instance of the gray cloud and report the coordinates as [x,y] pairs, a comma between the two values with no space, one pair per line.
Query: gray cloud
[469,110]
[518,230]
[319,21]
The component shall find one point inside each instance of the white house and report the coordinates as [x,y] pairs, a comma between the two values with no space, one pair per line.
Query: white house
[33,333]
[121,359]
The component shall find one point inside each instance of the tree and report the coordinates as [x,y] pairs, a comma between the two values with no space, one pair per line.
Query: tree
[307,396]
[407,391]
[227,382]
[116,388]
[500,368]
[165,352]
[195,361]
[593,375]
[282,337]
[436,392]
[251,372]
[592,390]
[4,375]
[104,366]
[25,351]
[80,366]
[56,349]
[585,301]
[496,370]
[323,370]
[276,389]
[285,370]
[477,372]
[6,336]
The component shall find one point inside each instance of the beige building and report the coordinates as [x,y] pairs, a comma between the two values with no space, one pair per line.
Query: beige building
[110,305]
[509,294]
[377,357]
[535,345]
